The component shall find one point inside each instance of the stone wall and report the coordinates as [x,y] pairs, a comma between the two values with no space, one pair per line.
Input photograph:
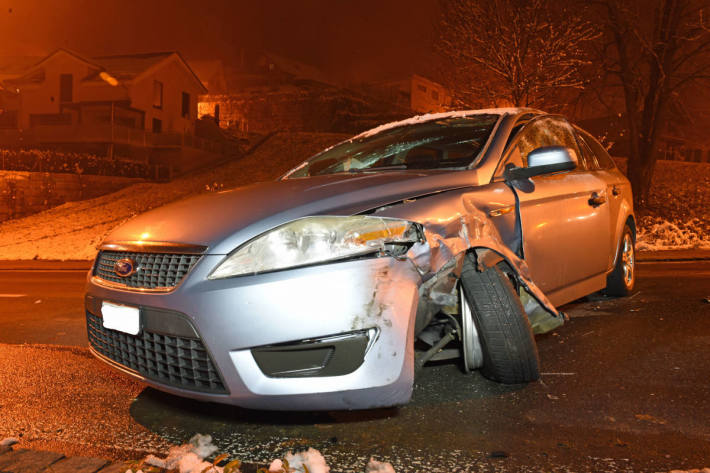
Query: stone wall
[24,193]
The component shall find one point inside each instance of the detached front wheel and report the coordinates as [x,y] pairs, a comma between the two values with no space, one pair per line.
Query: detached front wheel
[496,333]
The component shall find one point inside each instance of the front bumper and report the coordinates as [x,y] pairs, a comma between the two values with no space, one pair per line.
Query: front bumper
[233,317]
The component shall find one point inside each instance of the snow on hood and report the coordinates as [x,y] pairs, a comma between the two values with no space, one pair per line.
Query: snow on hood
[223,221]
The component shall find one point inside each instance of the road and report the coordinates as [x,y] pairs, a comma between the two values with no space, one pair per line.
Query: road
[625,387]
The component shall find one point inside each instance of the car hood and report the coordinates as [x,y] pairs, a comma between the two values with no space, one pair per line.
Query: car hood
[224,220]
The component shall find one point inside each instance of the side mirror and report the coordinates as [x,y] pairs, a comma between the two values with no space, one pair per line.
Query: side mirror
[545,160]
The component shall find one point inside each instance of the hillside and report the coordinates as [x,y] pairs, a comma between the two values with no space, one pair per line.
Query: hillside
[72,230]
[678,215]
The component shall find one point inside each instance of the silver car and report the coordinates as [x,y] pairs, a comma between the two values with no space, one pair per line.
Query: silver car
[328,288]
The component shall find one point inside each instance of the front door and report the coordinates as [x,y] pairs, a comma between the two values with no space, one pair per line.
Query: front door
[564,217]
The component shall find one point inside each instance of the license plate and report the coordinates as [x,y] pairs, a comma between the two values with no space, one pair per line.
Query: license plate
[121,317]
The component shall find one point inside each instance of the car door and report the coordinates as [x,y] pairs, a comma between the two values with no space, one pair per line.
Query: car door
[564,216]
[617,187]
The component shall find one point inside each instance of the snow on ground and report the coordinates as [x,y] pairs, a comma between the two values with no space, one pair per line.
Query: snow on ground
[656,233]
[191,458]
[678,215]
[73,230]
[188,458]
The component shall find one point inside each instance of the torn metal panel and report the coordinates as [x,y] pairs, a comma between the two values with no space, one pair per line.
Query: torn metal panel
[454,224]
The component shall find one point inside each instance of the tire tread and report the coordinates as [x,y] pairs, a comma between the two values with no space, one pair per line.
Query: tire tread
[509,350]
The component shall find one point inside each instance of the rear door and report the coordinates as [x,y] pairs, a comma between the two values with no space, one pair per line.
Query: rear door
[618,187]
[564,216]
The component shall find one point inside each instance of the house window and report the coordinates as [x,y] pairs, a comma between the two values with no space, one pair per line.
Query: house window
[157,94]
[186,105]
[65,88]
[435,95]
[157,125]
[421,87]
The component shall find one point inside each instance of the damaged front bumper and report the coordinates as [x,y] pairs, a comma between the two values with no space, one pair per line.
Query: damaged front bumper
[338,336]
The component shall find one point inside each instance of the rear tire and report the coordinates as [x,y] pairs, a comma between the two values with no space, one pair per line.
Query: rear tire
[506,339]
[620,282]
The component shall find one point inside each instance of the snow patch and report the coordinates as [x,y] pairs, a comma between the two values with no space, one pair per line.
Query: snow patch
[436,116]
[9,441]
[188,458]
[374,466]
[310,461]
[656,233]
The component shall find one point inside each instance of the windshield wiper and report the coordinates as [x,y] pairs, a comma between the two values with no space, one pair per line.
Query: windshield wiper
[379,168]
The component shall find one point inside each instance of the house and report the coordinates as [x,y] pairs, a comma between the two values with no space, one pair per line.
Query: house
[415,92]
[211,74]
[133,105]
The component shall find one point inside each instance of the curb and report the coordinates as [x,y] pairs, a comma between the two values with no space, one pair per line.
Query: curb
[43,265]
[673,255]
[22,460]
[85,265]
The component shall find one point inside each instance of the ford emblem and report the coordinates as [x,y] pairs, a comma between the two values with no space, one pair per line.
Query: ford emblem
[124,267]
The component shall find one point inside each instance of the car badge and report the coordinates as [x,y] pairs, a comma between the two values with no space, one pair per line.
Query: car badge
[124,267]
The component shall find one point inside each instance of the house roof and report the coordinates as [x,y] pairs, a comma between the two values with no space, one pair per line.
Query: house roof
[129,66]
[123,67]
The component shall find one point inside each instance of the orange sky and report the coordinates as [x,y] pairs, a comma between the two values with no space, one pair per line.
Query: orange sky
[348,38]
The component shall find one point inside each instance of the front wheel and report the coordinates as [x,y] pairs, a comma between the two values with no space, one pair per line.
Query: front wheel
[620,282]
[497,336]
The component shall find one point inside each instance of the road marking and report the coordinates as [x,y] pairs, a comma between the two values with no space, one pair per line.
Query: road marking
[13,295]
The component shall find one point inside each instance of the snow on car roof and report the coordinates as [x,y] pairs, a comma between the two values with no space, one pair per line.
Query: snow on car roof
[438,116]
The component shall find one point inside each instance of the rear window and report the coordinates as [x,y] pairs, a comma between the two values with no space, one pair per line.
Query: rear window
[600,153]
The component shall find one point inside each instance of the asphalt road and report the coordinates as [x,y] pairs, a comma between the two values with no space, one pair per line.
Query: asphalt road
[625,387]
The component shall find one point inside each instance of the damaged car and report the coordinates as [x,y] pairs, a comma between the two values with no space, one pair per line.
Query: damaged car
[446,235]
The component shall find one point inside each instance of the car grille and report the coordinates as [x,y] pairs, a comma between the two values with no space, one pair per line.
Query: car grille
[177,361]
[154,271]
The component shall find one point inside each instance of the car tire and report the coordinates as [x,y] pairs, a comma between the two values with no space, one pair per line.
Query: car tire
[507,342]
[620,282]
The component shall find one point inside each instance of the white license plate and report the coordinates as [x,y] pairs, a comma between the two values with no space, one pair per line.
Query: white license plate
[121,317]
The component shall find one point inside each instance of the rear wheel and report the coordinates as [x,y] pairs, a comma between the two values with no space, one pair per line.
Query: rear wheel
[620,282]
[497,336]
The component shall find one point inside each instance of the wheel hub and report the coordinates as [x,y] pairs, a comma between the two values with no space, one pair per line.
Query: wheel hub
[472,350]
[627,258]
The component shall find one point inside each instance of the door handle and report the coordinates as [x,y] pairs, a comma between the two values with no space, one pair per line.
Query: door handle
[596,200]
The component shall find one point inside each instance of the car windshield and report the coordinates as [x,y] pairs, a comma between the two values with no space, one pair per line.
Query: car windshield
[446,143]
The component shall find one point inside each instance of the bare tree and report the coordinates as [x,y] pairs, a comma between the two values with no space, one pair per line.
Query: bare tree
[512,51]
[650,51]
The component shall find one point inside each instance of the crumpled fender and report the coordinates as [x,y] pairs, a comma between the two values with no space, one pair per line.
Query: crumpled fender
[460,227]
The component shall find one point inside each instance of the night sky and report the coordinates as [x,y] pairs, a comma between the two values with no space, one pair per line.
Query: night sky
[350,40]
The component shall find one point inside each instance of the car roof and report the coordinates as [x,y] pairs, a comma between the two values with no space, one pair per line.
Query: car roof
[438,116]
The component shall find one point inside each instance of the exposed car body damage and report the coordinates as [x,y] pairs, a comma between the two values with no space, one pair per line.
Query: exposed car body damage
[310,292]
[458,229]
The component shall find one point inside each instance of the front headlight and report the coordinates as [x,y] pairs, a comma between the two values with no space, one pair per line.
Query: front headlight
[313,240]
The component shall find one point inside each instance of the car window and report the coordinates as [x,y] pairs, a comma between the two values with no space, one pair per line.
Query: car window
[600,153]
[545,131]
[586,157]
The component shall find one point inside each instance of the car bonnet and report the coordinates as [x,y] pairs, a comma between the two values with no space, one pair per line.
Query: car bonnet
[222,221]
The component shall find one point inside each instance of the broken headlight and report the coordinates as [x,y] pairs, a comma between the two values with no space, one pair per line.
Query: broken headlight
[313,240]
